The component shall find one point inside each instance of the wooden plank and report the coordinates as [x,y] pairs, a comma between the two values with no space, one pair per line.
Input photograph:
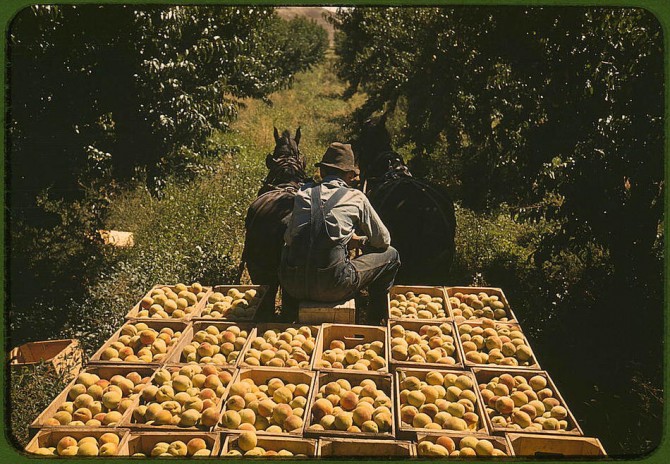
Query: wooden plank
[484,375]
[280,327]
[546,446]
[157,325]
[304,446]
[351,447]
[261,294]
[46,438]
[533,362]
[498,442]
[384,383]
[133,313]
[418,289]
[352,336]
[416,326]
[143,442]
[314,312]
[408,431]
[451,291]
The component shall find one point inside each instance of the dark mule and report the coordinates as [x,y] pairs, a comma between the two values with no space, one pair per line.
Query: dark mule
[267,217]
[419,215]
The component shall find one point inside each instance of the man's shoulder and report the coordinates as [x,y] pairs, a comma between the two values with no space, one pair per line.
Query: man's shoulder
[307,185]
[357,194]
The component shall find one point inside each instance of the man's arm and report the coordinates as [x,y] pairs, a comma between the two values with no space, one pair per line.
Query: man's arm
[374,228]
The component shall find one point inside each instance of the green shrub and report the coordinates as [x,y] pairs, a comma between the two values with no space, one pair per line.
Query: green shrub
[31,390]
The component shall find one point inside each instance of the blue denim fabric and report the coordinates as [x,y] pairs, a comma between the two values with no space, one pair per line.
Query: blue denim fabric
[342,280]
[376,270]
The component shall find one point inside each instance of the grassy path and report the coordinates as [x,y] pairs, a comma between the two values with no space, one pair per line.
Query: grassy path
[314,103]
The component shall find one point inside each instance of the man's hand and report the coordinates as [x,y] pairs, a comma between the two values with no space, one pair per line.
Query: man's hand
[357,242]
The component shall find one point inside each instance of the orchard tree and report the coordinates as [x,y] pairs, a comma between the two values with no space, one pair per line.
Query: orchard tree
[120,89]
[556,111]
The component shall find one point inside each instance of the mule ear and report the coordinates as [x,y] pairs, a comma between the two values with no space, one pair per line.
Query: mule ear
[277,139]
[297,136]
[269,161]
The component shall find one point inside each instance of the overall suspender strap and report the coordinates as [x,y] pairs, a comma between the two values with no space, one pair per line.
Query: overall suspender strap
[319,211]
[317,224]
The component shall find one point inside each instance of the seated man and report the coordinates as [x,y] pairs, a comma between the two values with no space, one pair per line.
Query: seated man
[324,225]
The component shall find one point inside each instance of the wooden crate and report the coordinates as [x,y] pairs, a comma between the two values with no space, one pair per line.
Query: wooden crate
[261,375]
[533,362]
[351,447]
[198,325]
[157,325]
[415,325]
[547,446]
[408,431]
[128,420]
[484,375]
[143,442]
[306,446]
[261,293]
[451,291]
[351,335]
[498,442]
[383,381]
[314,312]
[65,355]
[432,291]
[50,437]
[260,330]
[133,313]
[104,372]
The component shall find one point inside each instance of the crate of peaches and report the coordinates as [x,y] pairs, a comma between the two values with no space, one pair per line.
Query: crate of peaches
[352,404]
[281,345]
[423,344]
[461,446]
[98,397]
[351,347]
[149,342]
[424,303]
[213,342]
[267,401]
[181,397]
[486,342]
[444,400]
[179,301]
[249,444]
[524,400]
[233,303]
[472,303]
[177,444]
[82,442]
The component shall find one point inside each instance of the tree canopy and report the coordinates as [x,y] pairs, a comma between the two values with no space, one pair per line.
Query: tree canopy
[555,111]
[123,90]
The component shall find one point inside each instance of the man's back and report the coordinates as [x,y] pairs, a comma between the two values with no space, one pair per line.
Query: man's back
[326,219]
[351,214]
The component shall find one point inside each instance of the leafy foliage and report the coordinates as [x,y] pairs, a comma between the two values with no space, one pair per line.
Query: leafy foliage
[549,120]
[143,86]
[547,126]
[106,97]
[31,389]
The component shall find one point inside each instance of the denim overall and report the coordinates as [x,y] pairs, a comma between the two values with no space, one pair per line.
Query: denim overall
[314,267]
